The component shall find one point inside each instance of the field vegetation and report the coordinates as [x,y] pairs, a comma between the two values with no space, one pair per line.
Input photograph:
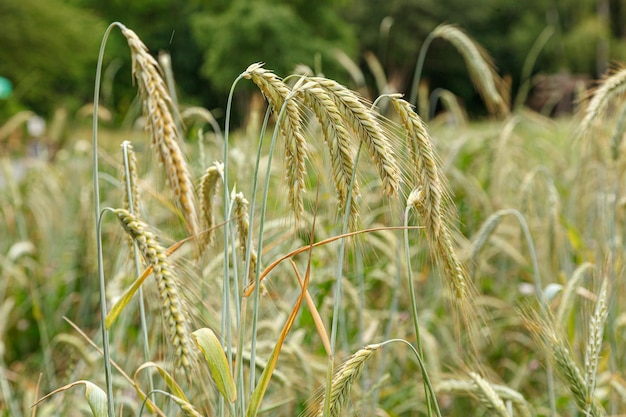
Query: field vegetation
[331,253]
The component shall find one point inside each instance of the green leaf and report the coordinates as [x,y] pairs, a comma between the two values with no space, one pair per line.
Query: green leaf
[218,364]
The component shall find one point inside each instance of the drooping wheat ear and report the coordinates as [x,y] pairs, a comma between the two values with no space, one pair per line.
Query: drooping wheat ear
[613,85]
[276,91]
[426,164]
[188,409]
[565,365]
[337,139]
[594,343]
[208,192]
[488,396]
[480,66]
[157,110]
[365,125]
[469,387]
[342,382]
[431,198]
[569,292]
[242,220]
[172,304]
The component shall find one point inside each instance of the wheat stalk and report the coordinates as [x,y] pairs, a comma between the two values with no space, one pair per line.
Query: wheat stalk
[337,139]
[276,92]
[342,382]
[208,192]
[480,67]
[157,110]
[172,304]
[367,129]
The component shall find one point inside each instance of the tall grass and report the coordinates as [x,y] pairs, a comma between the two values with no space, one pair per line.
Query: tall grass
[256,292]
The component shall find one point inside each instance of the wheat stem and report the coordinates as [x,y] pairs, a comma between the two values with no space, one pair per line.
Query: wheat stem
[97,218]
[131,203]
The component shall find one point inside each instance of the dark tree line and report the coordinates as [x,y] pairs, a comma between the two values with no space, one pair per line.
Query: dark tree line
[48,49]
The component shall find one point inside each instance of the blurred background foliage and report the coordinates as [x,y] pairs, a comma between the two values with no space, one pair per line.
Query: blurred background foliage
[48,49]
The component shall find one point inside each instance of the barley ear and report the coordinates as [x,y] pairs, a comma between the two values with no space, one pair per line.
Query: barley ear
[431,199]
[565,365]
[343,379]
[172,304]
[488,395]
[160,124]
[242,220]
[276,92]
[363,122]
[337,140]
[594,342]
[208,192]
[130,178]
[613,85]
[469,387]
[480,66]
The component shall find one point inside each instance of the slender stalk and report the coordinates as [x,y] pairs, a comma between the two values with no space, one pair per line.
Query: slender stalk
[418,340]
[137,261]
[96,192]
[256,293]
[246,277]
[543,303]
[418,69]
[226,320]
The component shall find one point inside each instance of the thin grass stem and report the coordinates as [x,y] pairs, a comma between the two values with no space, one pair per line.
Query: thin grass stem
[96,191]
[136,260]
[417,75]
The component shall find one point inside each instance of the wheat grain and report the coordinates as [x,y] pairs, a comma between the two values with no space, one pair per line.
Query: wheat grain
[613,85]
[430,198]
[131,197]
[157,110]
[426,164]
[240,209]
[343,379]
[337,139]
[367,129]
[458,386]
[208,192]
[188,409]
[594,343]
[480,66]
[565,365]
[276,92]
[172,304]
[488,395]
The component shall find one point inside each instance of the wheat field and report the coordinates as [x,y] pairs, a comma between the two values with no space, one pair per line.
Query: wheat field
[337,255]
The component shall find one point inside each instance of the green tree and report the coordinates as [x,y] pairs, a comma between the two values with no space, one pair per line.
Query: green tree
[507,30]
[48,50]
[280,33]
